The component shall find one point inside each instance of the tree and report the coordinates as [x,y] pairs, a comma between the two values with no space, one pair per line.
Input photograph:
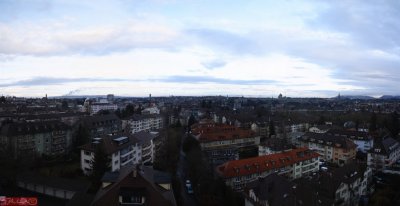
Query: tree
[100,165]
[192,120]
[129,110]
[2,99]
[271,128]
[64,104]
[81,136]
[321,120]
[372,123]
[393,124]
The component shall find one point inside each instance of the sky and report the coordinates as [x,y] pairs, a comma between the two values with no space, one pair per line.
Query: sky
[256,48]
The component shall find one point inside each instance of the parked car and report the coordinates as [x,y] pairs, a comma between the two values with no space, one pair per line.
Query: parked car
[189,188]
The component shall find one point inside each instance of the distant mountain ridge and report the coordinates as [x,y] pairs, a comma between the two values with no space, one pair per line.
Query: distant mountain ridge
[389,97]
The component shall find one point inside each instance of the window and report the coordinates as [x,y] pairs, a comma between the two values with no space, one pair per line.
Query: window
[87,153]
[131,199]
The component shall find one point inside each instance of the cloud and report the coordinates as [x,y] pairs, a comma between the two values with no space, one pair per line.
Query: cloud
[44,81]
[58,81]
[213,64]
[208,79]
[224,41]
[54,38]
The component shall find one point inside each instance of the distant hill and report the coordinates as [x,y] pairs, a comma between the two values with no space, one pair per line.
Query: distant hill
[355,97]
[389,97]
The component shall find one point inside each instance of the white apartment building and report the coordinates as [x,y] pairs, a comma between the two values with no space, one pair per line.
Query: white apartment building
[121,150]
[146,140]
[151,110]
[96,107]
[147,123]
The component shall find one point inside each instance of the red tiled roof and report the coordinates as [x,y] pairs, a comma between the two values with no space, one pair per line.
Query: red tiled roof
[214,132]
[261,164]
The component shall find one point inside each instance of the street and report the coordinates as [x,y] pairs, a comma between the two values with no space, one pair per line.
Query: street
[187,199]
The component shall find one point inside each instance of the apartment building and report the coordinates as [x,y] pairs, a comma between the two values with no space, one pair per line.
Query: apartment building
[343,186]
[363,140]
[274,145]
[122,150]
[28,139]
[332,148]
[101,125]
[147,141]
[135,186]
[293,164]
[144,122]
[386,151]
[222,142]
[97,107]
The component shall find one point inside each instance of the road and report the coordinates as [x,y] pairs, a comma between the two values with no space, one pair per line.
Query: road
[187,199]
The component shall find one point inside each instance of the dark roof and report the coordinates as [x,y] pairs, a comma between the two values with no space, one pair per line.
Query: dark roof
[355,135]
[277,190]
[80,199]
[98,120]
[110,144]
[326,184]
[57,115]
[144,136]
[127,181]
[385,146]
[137,117]
[56,182]
[110,177]
[23,128]
[277,144]
[208,132]
[328,139]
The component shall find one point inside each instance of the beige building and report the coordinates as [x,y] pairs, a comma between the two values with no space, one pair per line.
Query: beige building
[332,148]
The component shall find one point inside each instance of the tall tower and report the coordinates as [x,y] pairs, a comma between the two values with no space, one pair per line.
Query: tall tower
[149,99]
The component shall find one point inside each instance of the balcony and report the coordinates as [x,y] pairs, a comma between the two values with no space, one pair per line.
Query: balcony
[125,153]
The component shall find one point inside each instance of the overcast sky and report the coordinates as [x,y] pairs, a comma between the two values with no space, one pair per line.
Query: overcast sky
[199,47]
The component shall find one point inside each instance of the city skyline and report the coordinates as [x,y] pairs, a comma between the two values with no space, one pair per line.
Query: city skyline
[171,47]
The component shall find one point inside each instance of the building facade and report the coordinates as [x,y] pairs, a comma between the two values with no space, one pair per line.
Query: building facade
[332,148]
[122,151]
[385,153]
[97,107]
[29,139]
[149,122]
[221,142]
[101,125]
[363,140]
[293,164]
